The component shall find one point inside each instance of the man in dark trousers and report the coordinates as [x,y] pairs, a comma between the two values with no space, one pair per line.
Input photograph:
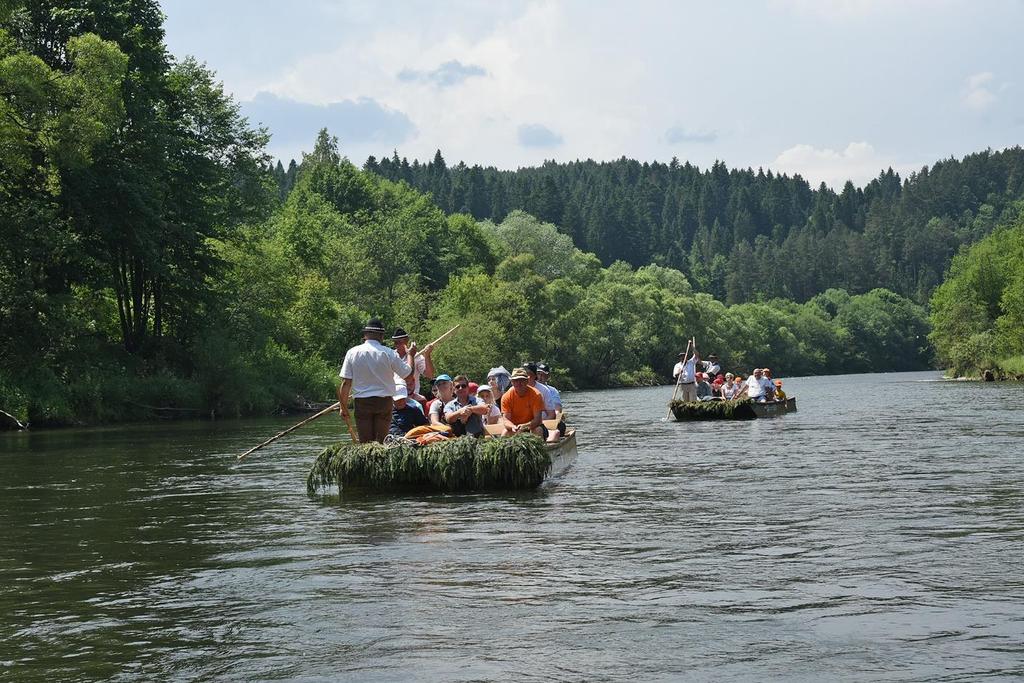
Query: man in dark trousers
[368,374]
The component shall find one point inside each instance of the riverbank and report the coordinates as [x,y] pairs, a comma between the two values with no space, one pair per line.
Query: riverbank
[1002,370]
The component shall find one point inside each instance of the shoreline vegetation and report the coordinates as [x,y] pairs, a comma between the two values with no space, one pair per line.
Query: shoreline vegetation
[154,262]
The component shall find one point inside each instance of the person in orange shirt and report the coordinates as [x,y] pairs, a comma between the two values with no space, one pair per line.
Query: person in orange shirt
[522,408]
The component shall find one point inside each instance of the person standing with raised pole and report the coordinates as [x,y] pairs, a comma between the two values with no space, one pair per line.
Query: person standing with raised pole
[423,367]
[368,375]
[686,372]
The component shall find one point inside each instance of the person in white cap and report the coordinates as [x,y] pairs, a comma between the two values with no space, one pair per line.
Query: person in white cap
[485,394]
[368,375]
[407,414]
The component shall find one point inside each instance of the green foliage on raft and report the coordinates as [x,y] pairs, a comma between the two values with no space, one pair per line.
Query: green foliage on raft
[463,464]
[713,410]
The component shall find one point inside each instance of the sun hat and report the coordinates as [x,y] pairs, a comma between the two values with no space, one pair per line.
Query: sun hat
[500,370]
[400,333]
[482,388]
[374,325]
[401,391]
[520,373]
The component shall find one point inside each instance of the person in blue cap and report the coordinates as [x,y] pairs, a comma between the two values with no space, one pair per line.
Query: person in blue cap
[443,392]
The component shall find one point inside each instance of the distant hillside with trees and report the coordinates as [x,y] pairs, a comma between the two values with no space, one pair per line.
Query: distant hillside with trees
[739,234]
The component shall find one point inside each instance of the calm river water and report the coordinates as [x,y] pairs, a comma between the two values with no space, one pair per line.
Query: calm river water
[877,534]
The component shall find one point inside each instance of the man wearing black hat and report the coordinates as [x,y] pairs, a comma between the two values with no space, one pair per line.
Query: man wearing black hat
[368,374]
[552,402]
[711,366]
[424,365]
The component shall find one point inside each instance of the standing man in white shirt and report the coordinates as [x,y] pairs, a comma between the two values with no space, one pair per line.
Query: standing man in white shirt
[685,372]
[368,374]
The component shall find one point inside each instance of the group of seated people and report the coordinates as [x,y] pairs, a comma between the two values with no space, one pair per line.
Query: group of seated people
[709,384]
[517,402]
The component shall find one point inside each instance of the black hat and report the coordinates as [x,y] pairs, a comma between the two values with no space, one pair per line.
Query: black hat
[374,325]
[543,367]
[530,366]
[400,333]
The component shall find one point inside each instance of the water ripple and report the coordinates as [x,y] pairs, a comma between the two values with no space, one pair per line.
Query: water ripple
[876,534]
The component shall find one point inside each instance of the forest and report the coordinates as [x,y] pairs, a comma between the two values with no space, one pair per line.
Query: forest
[739,234]
[154,260]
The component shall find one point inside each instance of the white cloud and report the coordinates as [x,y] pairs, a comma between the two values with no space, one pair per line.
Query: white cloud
[646,80]
[977,93]
[859,163]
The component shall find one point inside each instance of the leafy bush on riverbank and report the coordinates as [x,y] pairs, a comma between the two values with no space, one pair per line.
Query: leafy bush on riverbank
[978,312]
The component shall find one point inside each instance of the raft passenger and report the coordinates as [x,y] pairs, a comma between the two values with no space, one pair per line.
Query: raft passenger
[730,389]
[406,415]
[444,392]
[704,392]
[485,395]
[498,379]
[522,408]
[780,395]
[543,374]
[464,413]
[545,390]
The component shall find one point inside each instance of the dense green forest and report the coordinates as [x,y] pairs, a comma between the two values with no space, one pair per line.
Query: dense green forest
[743,235]
[977,314]
[152,259]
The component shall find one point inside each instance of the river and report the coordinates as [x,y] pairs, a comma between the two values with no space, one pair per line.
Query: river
[876,534]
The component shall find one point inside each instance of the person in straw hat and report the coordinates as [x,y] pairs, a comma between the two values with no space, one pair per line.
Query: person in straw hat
[368,375]
[522,408]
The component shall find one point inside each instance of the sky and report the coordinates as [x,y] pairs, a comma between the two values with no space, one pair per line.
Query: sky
[834,91]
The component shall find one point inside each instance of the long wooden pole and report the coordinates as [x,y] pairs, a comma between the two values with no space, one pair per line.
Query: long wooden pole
[674,391]
[292,429]
[693,340]
[443,336]
[352,432]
